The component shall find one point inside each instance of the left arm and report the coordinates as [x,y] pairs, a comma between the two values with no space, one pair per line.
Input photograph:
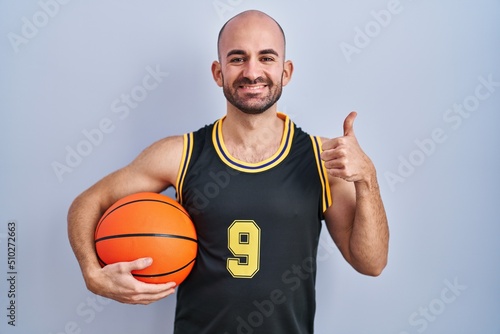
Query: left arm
[356,220]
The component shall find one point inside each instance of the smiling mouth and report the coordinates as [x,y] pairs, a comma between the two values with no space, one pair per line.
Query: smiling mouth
[245,87]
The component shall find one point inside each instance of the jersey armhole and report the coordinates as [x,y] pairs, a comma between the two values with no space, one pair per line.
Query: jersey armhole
[326,197]
[187,150]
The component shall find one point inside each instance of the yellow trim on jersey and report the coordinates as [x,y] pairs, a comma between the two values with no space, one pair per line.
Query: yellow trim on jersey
[323,175]
[242,166]
[187,150]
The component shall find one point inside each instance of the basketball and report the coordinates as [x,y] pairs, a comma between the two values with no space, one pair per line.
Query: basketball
[148,225]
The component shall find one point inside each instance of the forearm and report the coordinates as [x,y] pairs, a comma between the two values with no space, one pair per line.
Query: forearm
[370,233]
[83,216]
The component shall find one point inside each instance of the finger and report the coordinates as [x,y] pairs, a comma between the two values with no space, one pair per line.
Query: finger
[140,264]
[339,173]
[153,288]
[337,163]
[150,291]
[332,143]
[349,123]
[333,154]
[328,145]
[148,288]
[146,293]
[157,291]
[147,297]
[334,149]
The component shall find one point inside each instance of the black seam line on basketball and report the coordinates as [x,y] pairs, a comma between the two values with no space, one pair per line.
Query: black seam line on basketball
[145,200]
[160,235]
[100,260]
[164,274]
[105,264]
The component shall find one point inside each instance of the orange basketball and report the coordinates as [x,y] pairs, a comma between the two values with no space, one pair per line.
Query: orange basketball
[148,225]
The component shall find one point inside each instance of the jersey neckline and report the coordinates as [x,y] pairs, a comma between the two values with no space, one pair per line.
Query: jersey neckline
[242,166]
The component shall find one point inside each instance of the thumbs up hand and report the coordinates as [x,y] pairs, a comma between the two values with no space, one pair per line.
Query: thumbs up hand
[344,158]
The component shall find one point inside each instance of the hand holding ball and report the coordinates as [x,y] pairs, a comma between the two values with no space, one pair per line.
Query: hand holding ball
[148,225]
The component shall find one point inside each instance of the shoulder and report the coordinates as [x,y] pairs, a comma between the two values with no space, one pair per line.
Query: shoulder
[167,147]
[161,159]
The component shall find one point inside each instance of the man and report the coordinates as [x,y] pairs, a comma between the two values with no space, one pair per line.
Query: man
[258,234]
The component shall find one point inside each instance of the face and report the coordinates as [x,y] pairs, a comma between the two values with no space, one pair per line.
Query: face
[252,70]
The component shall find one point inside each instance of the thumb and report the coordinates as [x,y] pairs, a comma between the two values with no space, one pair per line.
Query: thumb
[349,123]
[140,264]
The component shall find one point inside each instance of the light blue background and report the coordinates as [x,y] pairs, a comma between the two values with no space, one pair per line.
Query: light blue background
[409,70]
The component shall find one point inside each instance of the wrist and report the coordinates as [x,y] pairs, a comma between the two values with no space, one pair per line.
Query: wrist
[91,273]
[367,184]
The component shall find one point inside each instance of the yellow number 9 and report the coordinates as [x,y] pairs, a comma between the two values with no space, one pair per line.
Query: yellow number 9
[243,238]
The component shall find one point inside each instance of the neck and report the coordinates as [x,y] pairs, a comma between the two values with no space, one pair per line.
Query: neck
[252,138]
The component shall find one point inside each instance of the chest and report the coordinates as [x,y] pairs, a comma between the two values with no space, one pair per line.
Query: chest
[255,153]
[216,192]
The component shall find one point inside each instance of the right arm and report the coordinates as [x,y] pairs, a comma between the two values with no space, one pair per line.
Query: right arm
[154,170]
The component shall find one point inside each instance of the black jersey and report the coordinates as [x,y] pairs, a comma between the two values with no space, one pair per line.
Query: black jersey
[258,227]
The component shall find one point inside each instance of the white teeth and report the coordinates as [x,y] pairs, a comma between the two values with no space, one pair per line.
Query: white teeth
[253,87]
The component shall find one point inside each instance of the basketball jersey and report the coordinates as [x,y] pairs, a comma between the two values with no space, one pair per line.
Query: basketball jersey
[258,227]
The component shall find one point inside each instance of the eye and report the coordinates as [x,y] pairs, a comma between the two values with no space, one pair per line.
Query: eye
[267,59]
[237,60]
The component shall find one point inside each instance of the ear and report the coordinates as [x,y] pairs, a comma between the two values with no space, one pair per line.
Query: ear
[287,72]
[217,73]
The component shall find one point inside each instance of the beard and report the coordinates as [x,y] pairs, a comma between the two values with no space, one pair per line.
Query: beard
[252,103]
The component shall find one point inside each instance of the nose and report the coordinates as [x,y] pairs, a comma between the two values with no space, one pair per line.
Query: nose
[252,69]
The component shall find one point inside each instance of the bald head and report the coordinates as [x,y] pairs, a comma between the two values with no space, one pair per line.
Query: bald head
[252,69]
[250,19]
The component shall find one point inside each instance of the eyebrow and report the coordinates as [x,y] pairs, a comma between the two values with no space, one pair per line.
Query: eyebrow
[242,52]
